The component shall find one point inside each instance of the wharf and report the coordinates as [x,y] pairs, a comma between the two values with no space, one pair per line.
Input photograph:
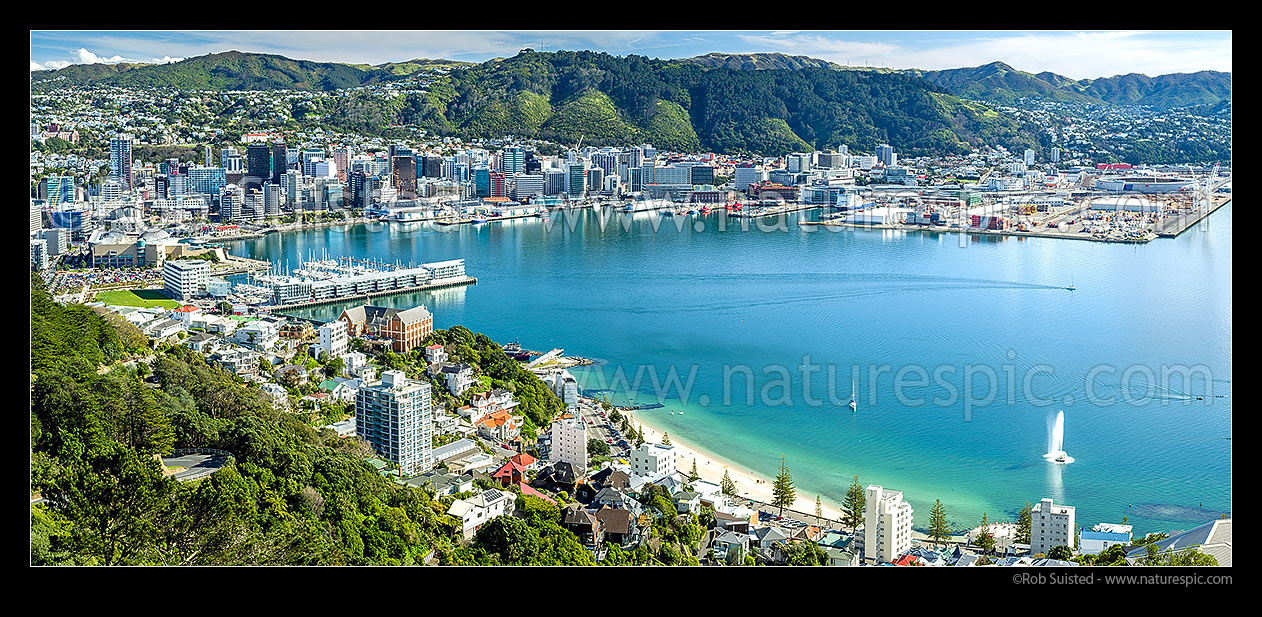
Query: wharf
[1174,227]
[241,265]
[467,280]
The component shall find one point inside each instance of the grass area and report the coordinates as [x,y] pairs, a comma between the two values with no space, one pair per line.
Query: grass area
[144,298]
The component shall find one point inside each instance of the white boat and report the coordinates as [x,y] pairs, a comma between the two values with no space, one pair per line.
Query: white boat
[853,405]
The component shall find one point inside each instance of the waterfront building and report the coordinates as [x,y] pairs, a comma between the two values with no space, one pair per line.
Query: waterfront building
[555,182]
[1051,526]
[652,460]
[569,443]
[184,279]
[403,173]
[887,523]
[576,184]
[395,417]
[528,185]
[206,180]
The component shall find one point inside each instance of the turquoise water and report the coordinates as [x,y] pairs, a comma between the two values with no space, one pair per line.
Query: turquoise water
[875,302]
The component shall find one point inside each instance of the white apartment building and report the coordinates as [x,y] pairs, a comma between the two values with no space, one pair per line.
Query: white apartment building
[396,418]
[1050,526]
[564,386]
[185,278]
[652,460]
[569,443]
[334,339]
[886,525]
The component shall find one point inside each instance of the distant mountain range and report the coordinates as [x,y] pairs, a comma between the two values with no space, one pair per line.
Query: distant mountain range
[759,103]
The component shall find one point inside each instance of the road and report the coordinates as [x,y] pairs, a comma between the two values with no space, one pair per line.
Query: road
[196,466]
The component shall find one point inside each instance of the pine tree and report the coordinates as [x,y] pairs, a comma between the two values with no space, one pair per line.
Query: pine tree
[665,439]
[1023,524]
[728,486]
[939,530]
[984,538]
[785,493]
[694,474]
[819,509]
[854,504]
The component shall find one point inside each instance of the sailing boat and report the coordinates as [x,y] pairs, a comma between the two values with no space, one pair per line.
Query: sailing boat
[853,406]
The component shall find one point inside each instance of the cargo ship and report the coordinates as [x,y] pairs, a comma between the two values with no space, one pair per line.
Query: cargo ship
[515,351]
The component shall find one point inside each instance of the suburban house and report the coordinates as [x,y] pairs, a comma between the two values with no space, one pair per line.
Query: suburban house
[476,511]
[585,525]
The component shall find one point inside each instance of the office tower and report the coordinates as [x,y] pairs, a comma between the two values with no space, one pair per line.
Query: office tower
[293,189]
[258,161]
[528,185]
[798,162]
[310,157]
[395,417]
[206,157]
[482,181]
[1029,157]
[576,186]
[56,190]
[161,186]
[120,161]
[230,160]
[555,181]
[403,171]
[498,187]
[885,154]
[280,162]
[1055,155]
[271,200]
[325,169]
[111,190]
[595,178]
[433,166]
[342,157]
[886,524]
[513,160]
[701,174]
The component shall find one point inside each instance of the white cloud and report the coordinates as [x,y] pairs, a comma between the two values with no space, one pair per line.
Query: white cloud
[87,57]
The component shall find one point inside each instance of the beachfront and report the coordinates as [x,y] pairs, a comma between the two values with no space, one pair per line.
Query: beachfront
[748,484]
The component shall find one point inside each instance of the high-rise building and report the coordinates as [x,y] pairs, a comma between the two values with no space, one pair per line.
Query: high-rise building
[403,171]
[271,200]
[433,166]
[334,339]
[569,443]
[280,162]
[497,184]
[513,160]
[56,190]
[342,157]
[885,154]
[1029,157]
[1051,526]
[886,525]
[482,181]
[206,157]
[120,161]
[258,162]
[1055,155]
[555,182]
[206,180]
[528,185]
[576,186]
[177,184]
[395,417]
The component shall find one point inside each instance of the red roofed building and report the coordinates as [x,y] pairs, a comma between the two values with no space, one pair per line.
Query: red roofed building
[907,560]
[499,425]
[510,473]
[525,460]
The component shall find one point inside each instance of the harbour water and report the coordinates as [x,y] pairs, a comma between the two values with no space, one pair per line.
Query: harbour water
[777,303]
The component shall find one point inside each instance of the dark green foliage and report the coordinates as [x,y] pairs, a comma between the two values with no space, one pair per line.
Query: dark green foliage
[290,496]
[1059,552]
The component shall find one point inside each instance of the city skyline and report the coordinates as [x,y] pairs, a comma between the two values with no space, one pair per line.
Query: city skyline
[1075,54]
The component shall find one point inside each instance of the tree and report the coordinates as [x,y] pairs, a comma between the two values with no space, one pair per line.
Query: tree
[333,367]
[854,504]
[1061,552]
[1023,524]
[783,490]
[665,439]
[728,486]
[985,539]
[694,475]
[939,529]
[819,509]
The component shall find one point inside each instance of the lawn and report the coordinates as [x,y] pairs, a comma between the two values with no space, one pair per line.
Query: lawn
[144,298]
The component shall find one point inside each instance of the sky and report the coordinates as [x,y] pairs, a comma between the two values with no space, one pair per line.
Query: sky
[1075,54]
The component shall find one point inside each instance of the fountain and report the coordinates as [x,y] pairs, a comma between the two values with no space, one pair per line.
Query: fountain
[1056,439]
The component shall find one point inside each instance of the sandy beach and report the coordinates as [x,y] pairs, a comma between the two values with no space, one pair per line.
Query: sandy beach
[748,484]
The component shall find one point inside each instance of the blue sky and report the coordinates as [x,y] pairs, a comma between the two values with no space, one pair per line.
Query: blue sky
[1076,54]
